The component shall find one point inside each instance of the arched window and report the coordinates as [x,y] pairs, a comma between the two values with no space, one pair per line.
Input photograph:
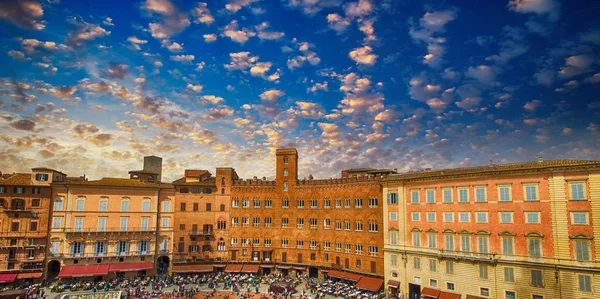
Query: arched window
[135,176]
[285,186]
[150,179]
[58,204]
[223,181]
[285,172]
[125,204]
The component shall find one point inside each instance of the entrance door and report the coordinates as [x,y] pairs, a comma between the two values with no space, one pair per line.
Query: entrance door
[299,257]
[346,263]
[233,254]
[313,272]
[337,260]
[284,257]
[373,267]
[414,291]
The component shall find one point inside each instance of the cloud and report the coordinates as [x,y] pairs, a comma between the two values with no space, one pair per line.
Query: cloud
[483,73]
[63,91]
[544,77]
[239,36]
[171,20]
[23,124]
[575,65]
[263,33]
[513,45]
[359,9]
[136,42]
[337,22]
[319,86]
[271,95]
[430,24]
[549,8]
[595,78]
[23,13]
[209,38]
[117,71]
[363,55]
[203,136]
[533,105]
[101,140]
[202,14]
[217,113]
[243,61]
[183,58]
[175,47]
[211,99]
[469,103]
[235,5]
[85,32]
[196,88]
[16,54]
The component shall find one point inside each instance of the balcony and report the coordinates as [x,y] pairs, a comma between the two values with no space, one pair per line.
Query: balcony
[204,233]
[72,232]
[101,254]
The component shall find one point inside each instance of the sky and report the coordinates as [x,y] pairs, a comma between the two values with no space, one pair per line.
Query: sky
[90,87]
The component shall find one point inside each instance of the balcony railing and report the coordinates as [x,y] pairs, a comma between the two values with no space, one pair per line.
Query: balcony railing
[102,254]
[202,233]
[108,230]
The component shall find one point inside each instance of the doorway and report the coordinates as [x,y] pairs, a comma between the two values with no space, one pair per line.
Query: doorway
[414,291]
[53,269]
[162,266]
[313,272]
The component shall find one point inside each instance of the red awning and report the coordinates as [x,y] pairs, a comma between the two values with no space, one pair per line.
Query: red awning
[474,297]
[335,274]
[8,277]
[369,284]
[352,276]
[131,267]
[83,271]
[433,293]
[250,269]
[235,268]
[29,275]
[192,268]
[393,283]
[446,295]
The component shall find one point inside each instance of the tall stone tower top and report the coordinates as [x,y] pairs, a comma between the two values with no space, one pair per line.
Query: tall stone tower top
[287,168]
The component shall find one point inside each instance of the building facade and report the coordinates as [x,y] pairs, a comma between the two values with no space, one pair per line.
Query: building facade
[525,230]
[112,225]
[308,226]
[24,205]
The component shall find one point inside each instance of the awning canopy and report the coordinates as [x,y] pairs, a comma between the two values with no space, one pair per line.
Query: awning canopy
[369,284]
[335,274]
[352,276]
[234,268]
[83,271]
[192,268]
[393,283]
[29,275]
[250,269]
[8,277]
[432,293]
[446,295]
[130,267]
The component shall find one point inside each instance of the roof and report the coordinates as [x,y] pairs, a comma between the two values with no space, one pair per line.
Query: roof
[74,178]
[16,179]
[210,182]
[143,171]
[495,168]
[195,172]
[117,182]
[47,169]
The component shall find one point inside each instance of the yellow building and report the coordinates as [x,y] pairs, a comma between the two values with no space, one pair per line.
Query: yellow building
[525,230]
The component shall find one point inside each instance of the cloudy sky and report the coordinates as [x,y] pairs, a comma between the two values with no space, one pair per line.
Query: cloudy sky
[90,87]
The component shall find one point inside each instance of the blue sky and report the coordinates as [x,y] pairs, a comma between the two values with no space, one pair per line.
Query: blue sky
[93,86]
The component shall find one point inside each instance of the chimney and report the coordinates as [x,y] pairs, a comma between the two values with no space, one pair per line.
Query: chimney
[540,159]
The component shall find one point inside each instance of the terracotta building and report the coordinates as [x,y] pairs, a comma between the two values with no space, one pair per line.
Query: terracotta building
[112,226]
[201,223]
[524,230]
[308,226]
[24,211]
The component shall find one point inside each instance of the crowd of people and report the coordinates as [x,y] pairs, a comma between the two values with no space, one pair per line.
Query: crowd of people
[342,289]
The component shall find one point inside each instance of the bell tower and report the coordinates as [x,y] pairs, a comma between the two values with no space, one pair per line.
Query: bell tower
[287,169]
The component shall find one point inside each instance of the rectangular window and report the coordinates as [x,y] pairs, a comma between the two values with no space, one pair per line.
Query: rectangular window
[103,205]
[394,260]
[531,192]
[483,271]
[532,217]
[508,246]
[77,249]
[432,265]
[14,227]
[35,202]
[509,294]
[430,216]
[504,193]
[535,247]
[430,196]
[483,244]
[464,216]
[450,286]
[415,216]
[447,195]
[123,248]
[394,237]
[338,203]
[509,274]
[100,248]
[585,283]
[449,242]
[480,194]
[433,283]
[373,202]
[166,206]
[485,292]
[80,204]
[417,263]
[326,223]
[327,203]
[481,217]
[166,222]
[414,196]
[284,222]
[582,250]
[182,206]
[314,204]
[392,198]
[56,222]
[393,216]
[78,224]
[124,205]
[579,218]
[448,216]
[268,203]
[358,203]
[577,191]
[416,239]
[463,195]
[449,267]
[145,223]
[143,247]
[506,217]
[465,243]
[33,226]
[257,203]
[536,278]
[285,203]
[300,222]
[300,204]
[432,240]
[124,223]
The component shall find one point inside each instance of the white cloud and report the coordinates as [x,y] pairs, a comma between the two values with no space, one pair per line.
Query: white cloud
[196,88]
[202,14]
[595,78]
[363,55]
[533,105]
[359,9]
[319,86]
[271,95]
[200,66]
[171,21]
[469,103]
[337,22]
[540,7]
[209,38]
[175,47]
[235,5]
[430,24]
[483,73]
[575,65]
[239,36]
[211,99]
[263,33]
[244,61]
[183,58]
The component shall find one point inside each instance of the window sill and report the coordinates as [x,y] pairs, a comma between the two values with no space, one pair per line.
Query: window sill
[576,200]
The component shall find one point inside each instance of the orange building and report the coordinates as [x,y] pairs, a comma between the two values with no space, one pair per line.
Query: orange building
[524,230]
[309,226]
[112,226]
[24,211]
[202,203]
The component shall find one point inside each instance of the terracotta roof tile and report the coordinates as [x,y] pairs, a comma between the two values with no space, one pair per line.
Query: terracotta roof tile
[47,169]
[16,179]
[143,171]
[524,166]
[118,182]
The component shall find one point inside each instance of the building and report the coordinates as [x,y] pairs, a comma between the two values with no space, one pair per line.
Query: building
[524,230]
[201,230]
[308,226]
[111,226]
[24,211]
